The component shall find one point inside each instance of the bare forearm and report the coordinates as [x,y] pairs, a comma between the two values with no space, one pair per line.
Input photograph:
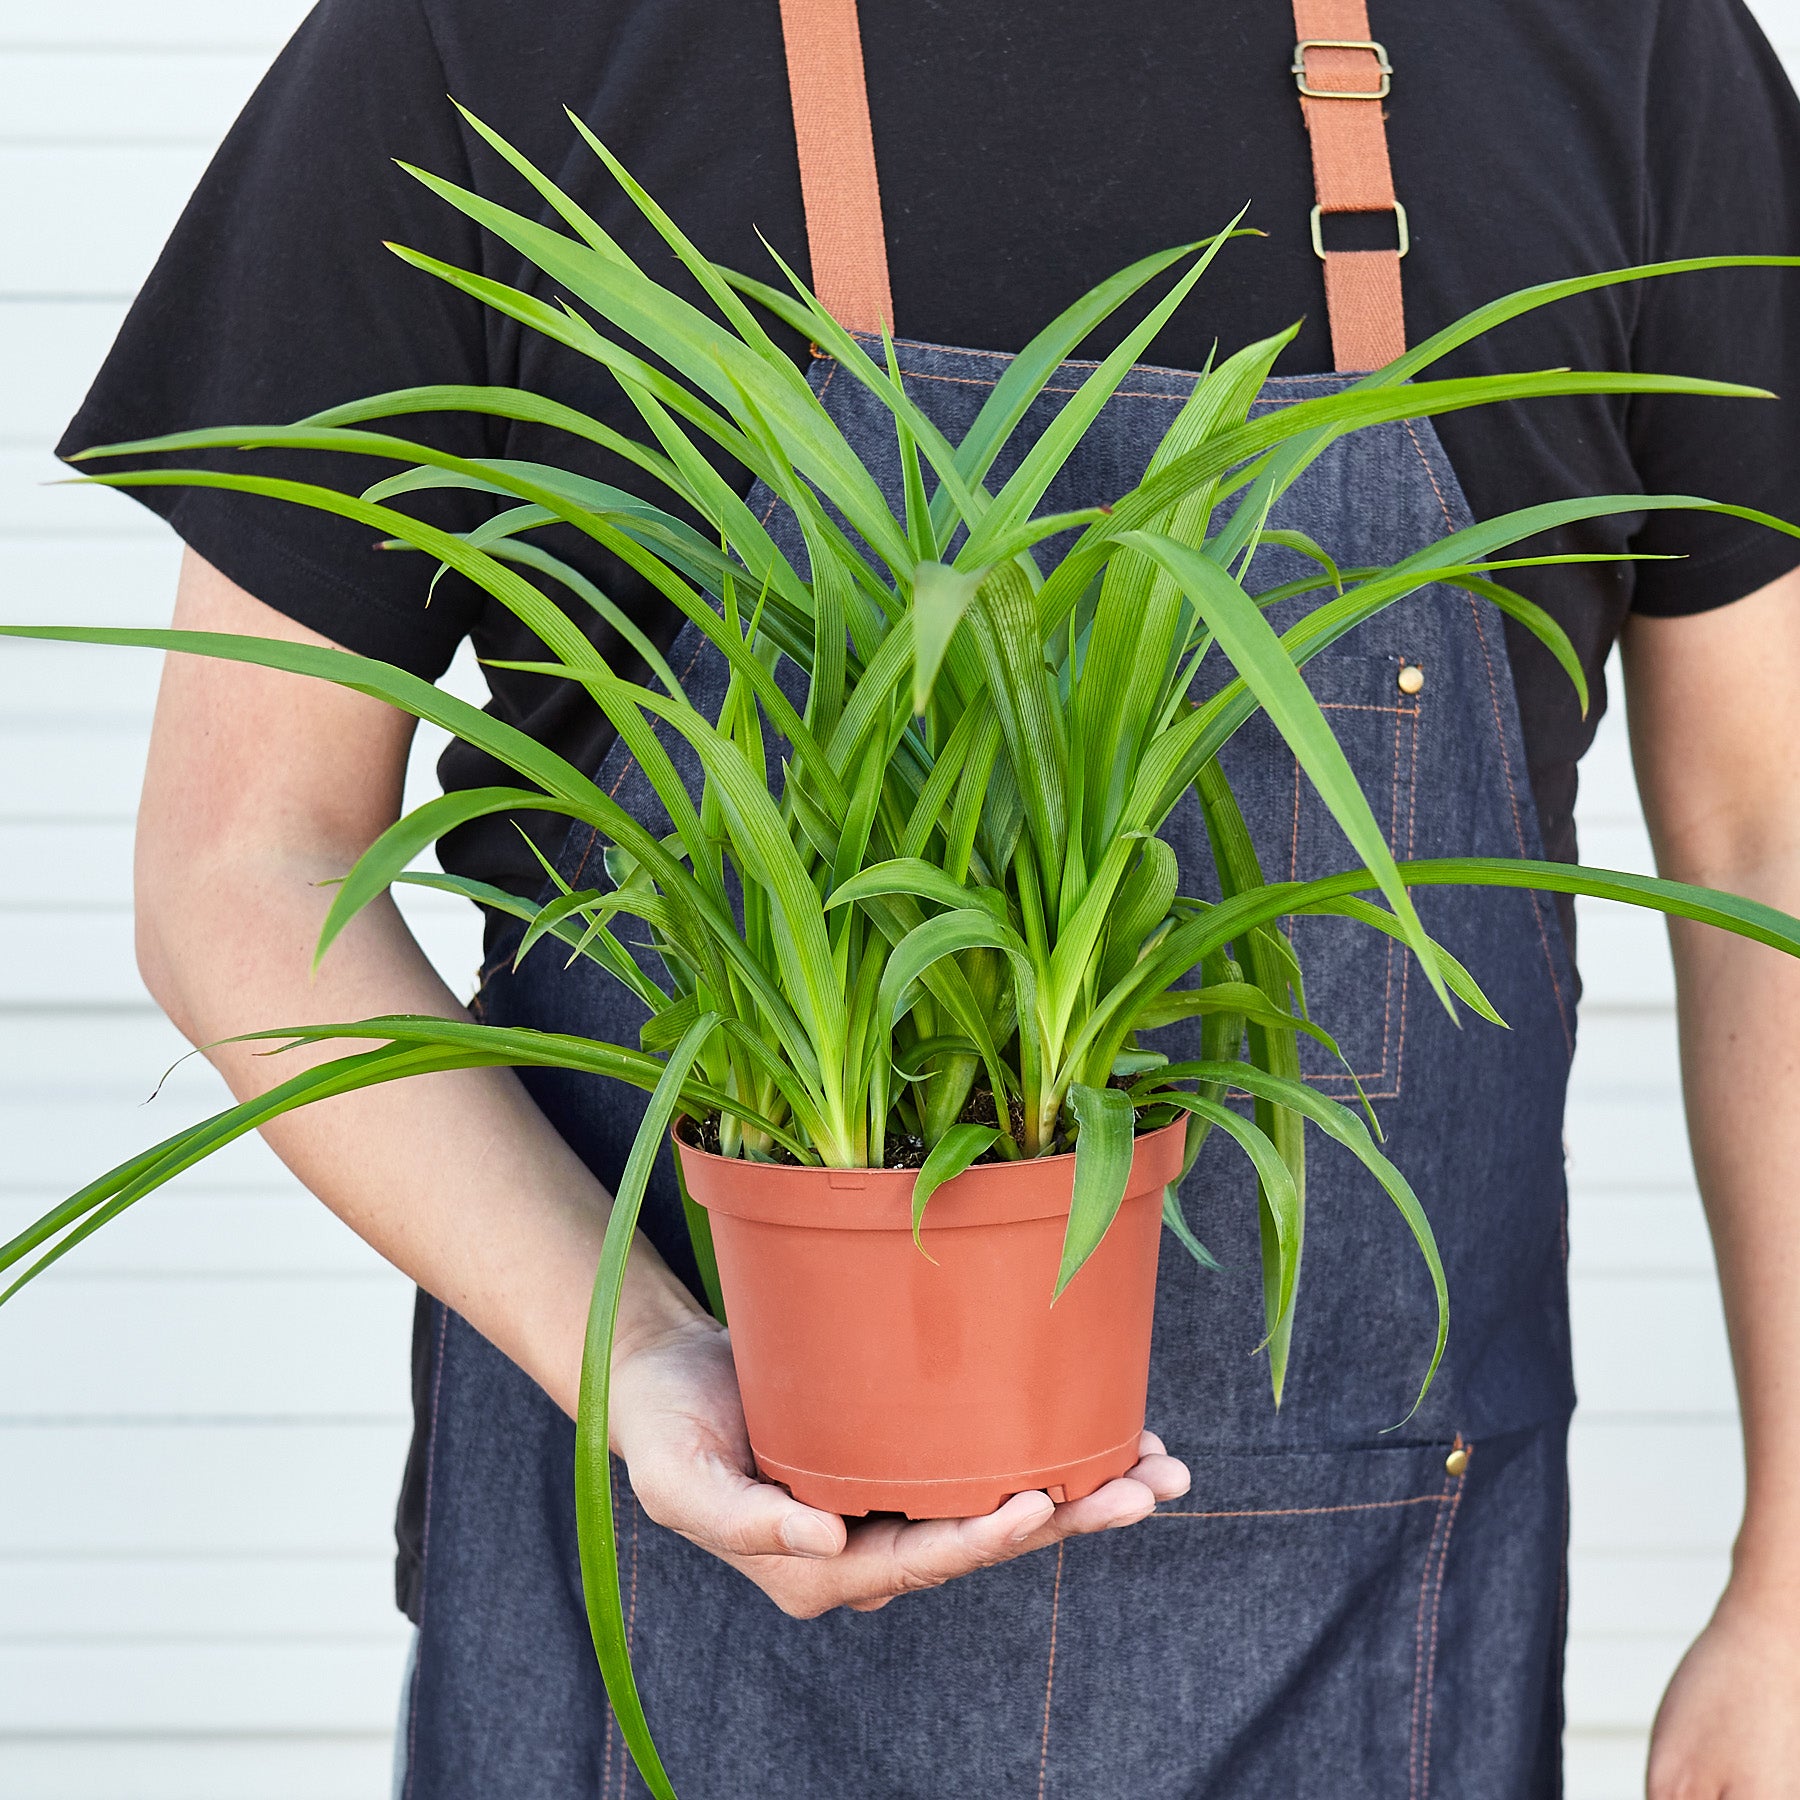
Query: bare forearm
[457,1179]
[1741,1074]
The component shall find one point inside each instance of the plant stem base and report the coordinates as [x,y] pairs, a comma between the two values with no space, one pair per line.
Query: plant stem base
[963,1498]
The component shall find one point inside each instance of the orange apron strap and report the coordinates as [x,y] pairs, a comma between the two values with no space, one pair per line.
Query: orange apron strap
[1343,76]
[838,183]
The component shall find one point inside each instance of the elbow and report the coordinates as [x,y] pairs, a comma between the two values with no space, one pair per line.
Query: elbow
[170,927]
[159,958]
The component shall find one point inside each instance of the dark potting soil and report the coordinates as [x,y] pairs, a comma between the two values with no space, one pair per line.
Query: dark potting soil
[905,1151]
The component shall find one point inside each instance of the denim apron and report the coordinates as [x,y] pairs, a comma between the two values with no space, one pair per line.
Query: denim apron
[1335,1607]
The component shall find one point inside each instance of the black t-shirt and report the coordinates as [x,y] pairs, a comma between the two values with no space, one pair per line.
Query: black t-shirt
[1027,148]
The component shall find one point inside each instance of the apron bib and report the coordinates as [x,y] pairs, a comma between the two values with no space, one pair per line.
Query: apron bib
[1331,1606]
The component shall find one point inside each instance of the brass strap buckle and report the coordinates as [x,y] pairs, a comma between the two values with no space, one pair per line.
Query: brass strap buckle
[1318,230]
[1385,68]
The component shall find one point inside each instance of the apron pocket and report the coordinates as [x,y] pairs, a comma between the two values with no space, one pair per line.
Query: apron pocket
[1356,979]
[1273,1632]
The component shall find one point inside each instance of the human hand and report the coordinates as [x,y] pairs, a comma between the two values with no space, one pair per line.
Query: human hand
[679,1424]
[1729,1726]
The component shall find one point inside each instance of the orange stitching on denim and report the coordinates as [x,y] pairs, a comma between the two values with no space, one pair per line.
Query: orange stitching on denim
[1117,393]
[1412,1753]
[1512,793]
[1294,845]
[1311,1512]
[1353,1077]
[606,1750]
[1437,1600]
[1387,993]
[1050,1670]
[431,1445]
[1075,362]
[637,1513]
[1412,822]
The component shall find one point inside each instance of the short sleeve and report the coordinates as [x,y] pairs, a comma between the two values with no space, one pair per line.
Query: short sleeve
[1722,177]
[276,297]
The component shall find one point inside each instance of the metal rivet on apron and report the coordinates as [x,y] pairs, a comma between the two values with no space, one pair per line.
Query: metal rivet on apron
[1457,1462]
[1412,678]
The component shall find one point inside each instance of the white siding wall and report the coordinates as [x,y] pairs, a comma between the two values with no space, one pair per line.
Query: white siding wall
[202,1417]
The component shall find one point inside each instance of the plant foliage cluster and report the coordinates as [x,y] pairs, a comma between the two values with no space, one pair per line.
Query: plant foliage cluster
[932,892]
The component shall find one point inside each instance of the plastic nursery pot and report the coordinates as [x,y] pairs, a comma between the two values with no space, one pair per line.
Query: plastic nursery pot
[877,1380]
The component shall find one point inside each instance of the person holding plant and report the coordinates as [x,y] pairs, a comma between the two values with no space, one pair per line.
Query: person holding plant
[1326,1598]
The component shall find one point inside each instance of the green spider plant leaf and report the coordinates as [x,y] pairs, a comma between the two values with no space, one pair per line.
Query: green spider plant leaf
[382,864]
[1012,653]
[1535,620]
[1040,464]
[954,1152]
[1276,1181]
[1344,1127]
[593,1457]
[1142,905]
[1175,1220]
[1027,375]
[700,1236]
[1104,1148]
[604,949]
[1456,977]
[1260,658]
[1174,1214]
[1334,414]
[941,596]
[923,880]
[1236,999]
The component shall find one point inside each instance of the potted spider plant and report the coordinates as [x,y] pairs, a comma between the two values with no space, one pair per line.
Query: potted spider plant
[909,917]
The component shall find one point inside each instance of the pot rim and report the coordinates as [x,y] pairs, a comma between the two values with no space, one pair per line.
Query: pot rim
[881,1199]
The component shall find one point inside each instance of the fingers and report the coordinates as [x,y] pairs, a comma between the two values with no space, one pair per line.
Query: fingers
[1164,1475]
[724,1510]
[809,1563]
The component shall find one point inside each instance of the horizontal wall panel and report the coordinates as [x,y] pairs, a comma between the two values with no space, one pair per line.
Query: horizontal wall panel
[1629,1141]
[262,25]
[49,356]
[88,958]
[1617,844]
[78,685]
[1625,1050]
[1656,1233]
[59,864]
[87,581]
[287,1687]
[41,497]
[90,220]
[1780,19]
[1604,1765]
[1608,787]
[214,1490]
[247,1347]
[42,1050]
[63,1145]
[182,1232]
[71,772]
[82,96]
[1672,1488]
[1624,955]
[99,1600]
[1651,1344]
[1613,1596]
[1617,1683]
[161,1767]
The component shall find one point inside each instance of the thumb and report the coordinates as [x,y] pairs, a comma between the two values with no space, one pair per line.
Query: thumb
[723,1510]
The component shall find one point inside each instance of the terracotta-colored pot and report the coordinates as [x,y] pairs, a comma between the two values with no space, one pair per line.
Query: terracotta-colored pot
[876,1380]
